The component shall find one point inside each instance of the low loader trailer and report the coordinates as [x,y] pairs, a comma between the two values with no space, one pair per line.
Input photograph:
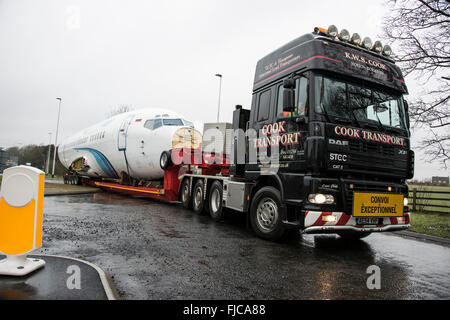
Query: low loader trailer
[324,148]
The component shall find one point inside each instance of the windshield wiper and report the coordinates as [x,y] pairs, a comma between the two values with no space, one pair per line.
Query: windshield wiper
[380,124]
[382,128]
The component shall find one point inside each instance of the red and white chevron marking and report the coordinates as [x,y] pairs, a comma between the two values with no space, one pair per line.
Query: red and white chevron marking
[315,219]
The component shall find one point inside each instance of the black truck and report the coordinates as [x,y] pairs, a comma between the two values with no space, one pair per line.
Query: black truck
[325,147]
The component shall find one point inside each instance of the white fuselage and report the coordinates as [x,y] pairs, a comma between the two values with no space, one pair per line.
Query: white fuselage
[129,143]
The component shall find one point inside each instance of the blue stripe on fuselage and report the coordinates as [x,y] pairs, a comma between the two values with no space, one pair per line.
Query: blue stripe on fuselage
[102,161]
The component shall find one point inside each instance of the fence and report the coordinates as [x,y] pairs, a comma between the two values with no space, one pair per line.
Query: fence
[426,201]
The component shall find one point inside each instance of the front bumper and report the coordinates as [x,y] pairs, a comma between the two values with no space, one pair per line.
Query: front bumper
[315,223]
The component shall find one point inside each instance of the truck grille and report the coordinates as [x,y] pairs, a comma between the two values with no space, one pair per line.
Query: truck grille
[375,158]
[371,148]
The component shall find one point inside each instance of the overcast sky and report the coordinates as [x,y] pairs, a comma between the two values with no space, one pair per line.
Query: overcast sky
[97,54]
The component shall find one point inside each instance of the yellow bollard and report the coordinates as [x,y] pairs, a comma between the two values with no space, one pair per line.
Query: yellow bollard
[21,216]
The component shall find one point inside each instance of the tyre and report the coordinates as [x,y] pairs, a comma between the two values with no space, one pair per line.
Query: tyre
[215,201]
[165,160]
[185,194]
[198,197]
[353,235]
[266,214]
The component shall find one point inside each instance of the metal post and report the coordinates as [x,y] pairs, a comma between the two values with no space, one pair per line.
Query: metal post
[47,167]
[220,89]
[56,137]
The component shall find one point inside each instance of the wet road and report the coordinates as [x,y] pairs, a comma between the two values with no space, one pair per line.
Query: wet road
[161,251]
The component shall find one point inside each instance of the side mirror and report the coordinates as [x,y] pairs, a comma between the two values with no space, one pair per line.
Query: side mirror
[288,95]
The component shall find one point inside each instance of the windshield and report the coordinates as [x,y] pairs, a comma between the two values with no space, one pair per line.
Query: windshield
[356,103]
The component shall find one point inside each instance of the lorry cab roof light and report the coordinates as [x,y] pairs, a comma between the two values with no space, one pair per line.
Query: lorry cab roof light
[377,47]
[356,39]
[366,43]
[320,30]
[387,51]
[332,31]
[344,35]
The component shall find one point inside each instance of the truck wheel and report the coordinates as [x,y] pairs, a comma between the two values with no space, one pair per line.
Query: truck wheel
[215,201]
[198,197]
[185,195]
[265,214]
[165,160]
[353,235]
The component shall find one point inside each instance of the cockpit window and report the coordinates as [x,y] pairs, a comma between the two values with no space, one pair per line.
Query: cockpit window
[157,123]
[172,122]
[148,124]
[188,123]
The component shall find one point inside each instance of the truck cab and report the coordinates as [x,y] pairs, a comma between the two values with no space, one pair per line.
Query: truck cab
[327,138]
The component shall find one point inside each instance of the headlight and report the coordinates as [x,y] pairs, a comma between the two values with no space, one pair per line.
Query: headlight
[405,201]
[319,198]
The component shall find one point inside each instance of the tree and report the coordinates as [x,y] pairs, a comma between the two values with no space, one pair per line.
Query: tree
[119,109]
[37,156]
[420,33]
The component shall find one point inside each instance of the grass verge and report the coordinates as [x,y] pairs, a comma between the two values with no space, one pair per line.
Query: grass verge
[431,224]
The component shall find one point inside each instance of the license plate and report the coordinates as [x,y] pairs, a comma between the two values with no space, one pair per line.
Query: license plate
[367,204]
[366,221]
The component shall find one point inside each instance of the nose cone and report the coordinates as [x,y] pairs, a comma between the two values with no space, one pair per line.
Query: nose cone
[186,138]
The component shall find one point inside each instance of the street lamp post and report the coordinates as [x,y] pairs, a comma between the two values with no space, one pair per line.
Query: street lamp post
[47,167]
[56,137]
[220,89]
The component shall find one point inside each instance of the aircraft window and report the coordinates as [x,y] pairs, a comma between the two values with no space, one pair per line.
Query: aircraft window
[173,122]
[148,124]
[157,123]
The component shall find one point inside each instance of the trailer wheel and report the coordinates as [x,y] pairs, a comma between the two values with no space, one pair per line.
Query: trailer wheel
[165,160]
[215,201]
[198,197]
[265,214]
[186,199]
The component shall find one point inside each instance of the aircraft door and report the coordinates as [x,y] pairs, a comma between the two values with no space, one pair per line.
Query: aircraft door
[122,135]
